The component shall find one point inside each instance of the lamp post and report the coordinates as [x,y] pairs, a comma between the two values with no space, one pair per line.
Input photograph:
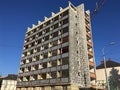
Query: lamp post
[104,60]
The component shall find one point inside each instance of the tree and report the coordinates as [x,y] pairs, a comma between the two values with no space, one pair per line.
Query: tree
[114,79]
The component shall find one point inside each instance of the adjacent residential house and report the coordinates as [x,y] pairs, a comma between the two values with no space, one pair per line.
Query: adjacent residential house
[113,74]
[8,82]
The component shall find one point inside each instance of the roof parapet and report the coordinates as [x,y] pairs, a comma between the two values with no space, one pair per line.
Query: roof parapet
[45,18]
[61,8]
[71,5]
[39,22]
[33,26]
[28,29]
[88,11]
[53,13]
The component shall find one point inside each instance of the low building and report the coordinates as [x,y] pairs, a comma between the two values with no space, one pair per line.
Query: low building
[8,82]
[113,74]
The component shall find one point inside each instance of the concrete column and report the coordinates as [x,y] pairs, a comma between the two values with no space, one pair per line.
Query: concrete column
[37,88]
[18,89]
[58,88]
[48,88]
[72,87]
[23,88]
[30,88]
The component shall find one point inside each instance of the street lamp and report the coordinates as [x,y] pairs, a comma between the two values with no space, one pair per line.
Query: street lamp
[104,60]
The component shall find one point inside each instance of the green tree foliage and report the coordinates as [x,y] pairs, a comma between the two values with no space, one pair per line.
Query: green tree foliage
[114,79]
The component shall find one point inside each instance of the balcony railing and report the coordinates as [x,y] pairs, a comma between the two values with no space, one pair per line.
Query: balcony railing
[88,34]
[89,43]
[91,64]
[92,75]
[87,26]
[87,19]
[90,53]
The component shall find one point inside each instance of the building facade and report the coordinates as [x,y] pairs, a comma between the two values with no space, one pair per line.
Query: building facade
[58,52]
[8,82]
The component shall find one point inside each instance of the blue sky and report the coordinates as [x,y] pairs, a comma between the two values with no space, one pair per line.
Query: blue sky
[17,15]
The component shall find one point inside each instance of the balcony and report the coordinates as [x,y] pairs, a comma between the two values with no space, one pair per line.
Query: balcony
[90,53]
[89,43]
[88,34]
[87,26]
[92,75]
[91,64]
[87,19]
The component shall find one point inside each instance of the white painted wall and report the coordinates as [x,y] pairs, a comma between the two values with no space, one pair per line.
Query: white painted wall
[8,85]
[100,73]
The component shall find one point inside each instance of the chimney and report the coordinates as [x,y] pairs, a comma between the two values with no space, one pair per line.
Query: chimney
[102,62]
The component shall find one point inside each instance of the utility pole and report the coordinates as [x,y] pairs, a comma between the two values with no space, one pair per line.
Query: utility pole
[107,82]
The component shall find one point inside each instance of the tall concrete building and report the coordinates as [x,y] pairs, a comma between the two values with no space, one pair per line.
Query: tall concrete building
[58,52]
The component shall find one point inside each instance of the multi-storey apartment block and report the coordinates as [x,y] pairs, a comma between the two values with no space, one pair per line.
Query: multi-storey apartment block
[58,52]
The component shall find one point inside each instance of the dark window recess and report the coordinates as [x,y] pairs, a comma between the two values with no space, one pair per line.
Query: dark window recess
[55,43]
[52,87]
[76,16]
[47,30]
[43,76]
[34,30]
[54,63]
[30,60]
[76,24]
[65,61]
[31,52]
[78,73]
[56,26]
[47,38]
[39,41]
[55,34]
[32,44]
[45,55]
[53,74]
[38,49]
[40,33]
[54,53]
[65,73]
[46,46]
[65,21]
[56,18]
[65,39]
[29,68]
[26,47]
[65,13]
[37,58]
[22,69]
[24,61]
[41,26]
[35,76]
[25,53]
[27,40]
[44,65]
[65,49]
[33,37]
[65,30]
[28,78]
[21,78]
[36,67]
[48,22]
[28,34]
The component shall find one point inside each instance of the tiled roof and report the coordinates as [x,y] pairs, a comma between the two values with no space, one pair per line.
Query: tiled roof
[9,77]
[109,64]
